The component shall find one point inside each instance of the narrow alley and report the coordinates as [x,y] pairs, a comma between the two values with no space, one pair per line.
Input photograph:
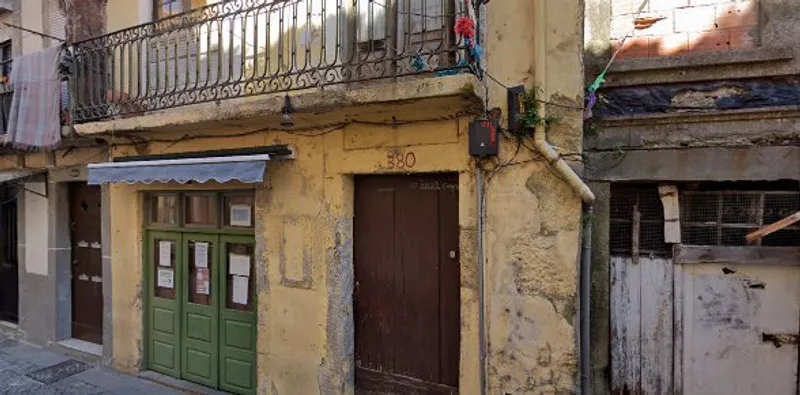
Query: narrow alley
[26,369]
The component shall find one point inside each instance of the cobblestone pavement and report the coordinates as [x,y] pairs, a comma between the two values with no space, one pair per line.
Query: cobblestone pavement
[18,360]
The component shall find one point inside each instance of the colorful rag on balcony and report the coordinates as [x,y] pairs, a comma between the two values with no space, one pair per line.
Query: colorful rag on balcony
[34,122]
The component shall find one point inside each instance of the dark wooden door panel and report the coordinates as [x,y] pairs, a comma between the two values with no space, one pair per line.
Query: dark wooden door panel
[87,258]
[9,275]
[407,291]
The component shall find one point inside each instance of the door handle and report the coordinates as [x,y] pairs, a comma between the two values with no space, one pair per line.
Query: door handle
[779,339]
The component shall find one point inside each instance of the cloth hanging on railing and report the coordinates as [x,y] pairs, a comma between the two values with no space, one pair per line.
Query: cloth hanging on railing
[34,121]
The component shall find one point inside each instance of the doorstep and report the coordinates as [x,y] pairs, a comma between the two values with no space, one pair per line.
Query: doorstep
[79,349]
[180,385]
[10,329]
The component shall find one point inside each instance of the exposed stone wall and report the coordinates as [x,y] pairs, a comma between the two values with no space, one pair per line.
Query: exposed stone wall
[86,18]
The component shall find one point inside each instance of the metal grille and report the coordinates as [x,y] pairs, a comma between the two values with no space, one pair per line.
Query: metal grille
[723,218]
[637,207]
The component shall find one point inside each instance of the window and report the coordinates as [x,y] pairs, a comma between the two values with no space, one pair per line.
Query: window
[167,8]
[411,25]
[637,209]
[210,210]
[6,94]
[724,217]
[5,59]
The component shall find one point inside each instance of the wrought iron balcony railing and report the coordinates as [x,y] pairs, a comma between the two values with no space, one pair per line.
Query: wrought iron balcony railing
[241,48]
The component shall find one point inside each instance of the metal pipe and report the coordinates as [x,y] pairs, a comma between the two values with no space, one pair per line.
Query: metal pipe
[481,287]
[585,295]
[561,166]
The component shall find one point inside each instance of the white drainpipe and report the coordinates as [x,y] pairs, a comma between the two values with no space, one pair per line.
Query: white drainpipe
[540,134]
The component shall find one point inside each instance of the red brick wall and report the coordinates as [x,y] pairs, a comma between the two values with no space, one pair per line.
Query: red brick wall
[676,27]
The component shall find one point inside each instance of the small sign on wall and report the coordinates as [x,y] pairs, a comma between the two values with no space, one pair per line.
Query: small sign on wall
[241,215]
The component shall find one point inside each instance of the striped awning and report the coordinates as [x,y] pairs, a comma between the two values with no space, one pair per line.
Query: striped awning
[247,169]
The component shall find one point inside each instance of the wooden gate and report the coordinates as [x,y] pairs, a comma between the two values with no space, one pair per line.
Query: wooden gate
[87,262]
[9,275]
[407,300]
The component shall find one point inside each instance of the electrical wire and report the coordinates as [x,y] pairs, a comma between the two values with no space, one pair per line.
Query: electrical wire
[327,129]
[627,36]
[491,77]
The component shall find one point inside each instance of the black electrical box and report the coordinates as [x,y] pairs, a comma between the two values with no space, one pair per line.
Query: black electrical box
[484,138]
[515,107]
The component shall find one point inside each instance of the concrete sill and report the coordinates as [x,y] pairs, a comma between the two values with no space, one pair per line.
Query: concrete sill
[759,55]
[313,107]
[82,346]
[180,385]
[744,114]
[78,349]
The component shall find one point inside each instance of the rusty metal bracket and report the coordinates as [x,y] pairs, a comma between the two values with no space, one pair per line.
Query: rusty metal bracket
[780,339]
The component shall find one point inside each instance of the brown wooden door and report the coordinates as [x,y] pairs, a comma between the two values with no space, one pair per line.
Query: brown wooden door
[87,258]
[9,285]
[407,321]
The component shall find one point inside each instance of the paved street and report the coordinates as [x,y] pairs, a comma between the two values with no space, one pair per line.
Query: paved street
[24,370]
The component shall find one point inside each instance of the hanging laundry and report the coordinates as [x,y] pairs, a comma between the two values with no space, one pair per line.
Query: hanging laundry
[34,121]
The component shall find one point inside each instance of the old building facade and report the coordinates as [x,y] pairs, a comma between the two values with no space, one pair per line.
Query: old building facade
[693,144]
[51,277]
[281,199]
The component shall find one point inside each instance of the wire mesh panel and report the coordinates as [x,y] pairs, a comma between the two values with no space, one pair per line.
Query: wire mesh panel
[637,208]
[723,218]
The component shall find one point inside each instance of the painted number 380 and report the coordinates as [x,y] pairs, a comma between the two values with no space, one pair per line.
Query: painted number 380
[401,160]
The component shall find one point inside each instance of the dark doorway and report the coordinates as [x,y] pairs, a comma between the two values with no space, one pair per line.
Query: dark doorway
[87,258]
[407,290]
[9,275]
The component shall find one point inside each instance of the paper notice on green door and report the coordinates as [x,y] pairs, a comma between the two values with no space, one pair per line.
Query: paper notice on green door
[203,282]
[239,264]
[240,284]
[165,253]
[166,279]
[200,254]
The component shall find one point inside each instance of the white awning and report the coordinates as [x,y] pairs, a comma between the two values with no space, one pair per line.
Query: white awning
[247,169]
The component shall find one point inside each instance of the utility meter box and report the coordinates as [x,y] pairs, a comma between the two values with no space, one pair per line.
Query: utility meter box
[484,138]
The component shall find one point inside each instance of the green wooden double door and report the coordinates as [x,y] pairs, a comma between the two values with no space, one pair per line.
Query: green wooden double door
[201,313]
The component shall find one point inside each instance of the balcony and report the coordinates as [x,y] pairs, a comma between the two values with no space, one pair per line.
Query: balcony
[244,48]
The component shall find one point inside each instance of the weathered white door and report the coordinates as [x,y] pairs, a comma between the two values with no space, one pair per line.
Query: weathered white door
[641,325]
[713,321]
[739,324]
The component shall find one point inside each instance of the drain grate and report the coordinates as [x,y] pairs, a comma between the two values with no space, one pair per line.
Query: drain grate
[57,372]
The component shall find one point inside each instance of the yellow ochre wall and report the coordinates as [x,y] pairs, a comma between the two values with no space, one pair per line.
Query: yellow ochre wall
[304,213]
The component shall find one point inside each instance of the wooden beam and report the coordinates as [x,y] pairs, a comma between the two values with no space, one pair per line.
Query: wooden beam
[769,229]
[672,213]
[635,226]
[737,255]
